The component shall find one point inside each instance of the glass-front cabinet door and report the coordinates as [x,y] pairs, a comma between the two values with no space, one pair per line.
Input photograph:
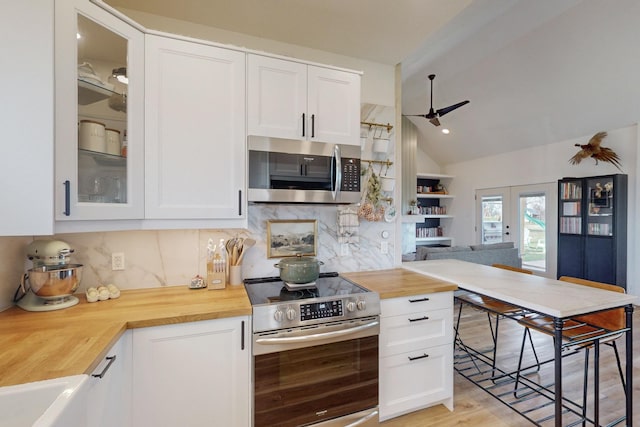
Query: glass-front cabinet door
[99,114]
[570,195]
[600,206]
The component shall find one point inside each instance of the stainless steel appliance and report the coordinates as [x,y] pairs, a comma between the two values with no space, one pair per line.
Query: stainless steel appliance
[295,171]
[315,353]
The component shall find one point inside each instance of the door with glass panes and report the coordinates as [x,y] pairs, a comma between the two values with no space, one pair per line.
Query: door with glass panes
[523,215]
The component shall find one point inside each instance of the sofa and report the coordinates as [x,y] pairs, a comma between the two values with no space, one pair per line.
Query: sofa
[488,254]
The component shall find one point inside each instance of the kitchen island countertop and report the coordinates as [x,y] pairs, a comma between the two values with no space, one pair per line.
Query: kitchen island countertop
[36,346]
[399,282]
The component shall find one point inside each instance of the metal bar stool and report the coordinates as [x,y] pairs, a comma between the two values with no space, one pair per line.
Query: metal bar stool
[583,332]
[493,307]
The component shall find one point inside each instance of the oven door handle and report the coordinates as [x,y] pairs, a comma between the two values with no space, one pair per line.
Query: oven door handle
[317,337]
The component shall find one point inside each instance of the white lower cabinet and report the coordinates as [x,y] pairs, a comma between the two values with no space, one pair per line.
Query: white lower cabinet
[192,374]
[416,353]
[109,393]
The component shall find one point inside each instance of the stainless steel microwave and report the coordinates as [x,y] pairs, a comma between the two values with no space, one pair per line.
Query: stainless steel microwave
[297,171]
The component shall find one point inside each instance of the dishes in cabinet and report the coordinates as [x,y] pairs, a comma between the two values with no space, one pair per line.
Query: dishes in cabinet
[92,136]
[87,74]
[113,145]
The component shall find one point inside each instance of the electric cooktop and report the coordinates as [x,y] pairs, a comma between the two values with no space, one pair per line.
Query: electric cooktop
[333,297]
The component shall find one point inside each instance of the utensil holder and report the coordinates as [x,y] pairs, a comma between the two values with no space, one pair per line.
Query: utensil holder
[235,275]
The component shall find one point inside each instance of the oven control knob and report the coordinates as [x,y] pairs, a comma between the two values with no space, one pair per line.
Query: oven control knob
[291,314]
[361,305]
[351,306]
[278,315]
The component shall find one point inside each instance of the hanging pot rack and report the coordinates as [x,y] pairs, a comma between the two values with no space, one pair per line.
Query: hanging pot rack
[380,125]
[378,162]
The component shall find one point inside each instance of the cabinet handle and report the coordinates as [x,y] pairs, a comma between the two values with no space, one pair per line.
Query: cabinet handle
[313,126]
[242,336]
[111,359]
[303,122]
[239,202]
[419,300]
[67,198]
[419,319]
[424,356]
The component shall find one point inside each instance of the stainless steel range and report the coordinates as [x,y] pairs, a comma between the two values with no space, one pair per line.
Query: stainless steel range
[315,352]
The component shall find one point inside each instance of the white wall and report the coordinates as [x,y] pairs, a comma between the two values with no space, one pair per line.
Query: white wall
[426,164]
[546,163]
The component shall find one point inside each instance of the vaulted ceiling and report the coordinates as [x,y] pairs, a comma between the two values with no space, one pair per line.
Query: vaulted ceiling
[535,72]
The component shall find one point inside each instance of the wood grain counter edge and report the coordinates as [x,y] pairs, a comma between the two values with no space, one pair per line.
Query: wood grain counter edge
[399,282]
[36,346]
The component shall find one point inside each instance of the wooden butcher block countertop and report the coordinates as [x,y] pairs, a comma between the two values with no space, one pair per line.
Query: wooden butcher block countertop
[37,346]
[398,282]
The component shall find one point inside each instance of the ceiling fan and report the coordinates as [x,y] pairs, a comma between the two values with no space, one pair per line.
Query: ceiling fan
[433,115]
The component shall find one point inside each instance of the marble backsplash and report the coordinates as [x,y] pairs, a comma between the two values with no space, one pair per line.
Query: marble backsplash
[172,257]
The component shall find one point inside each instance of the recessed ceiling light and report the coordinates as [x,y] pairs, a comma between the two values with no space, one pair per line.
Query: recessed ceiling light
[78,36]
[445,131]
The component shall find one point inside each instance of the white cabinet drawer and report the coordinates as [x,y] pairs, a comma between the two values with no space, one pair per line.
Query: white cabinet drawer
[416,303]
[409,332]
[415,380]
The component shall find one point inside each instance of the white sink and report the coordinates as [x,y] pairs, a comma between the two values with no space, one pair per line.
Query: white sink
[49,403]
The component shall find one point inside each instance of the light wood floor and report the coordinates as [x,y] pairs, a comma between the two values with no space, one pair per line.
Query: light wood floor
[475,407]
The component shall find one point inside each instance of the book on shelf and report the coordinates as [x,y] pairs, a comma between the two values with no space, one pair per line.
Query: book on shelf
[571,190]
[571,225]
[571,208]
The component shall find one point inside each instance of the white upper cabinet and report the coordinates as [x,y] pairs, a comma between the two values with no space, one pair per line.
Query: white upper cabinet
[333,104]
[292,100]
[195,131]
[93,111]
[26,166]
[277,97]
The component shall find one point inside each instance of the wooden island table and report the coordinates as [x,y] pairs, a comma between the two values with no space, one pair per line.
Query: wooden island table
[557,299]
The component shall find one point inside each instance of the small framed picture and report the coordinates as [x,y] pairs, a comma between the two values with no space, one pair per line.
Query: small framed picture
[600,198]
[289,237]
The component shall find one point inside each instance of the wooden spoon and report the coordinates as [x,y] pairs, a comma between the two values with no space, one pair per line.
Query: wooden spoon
[245,245]
[234,255]
[229,246]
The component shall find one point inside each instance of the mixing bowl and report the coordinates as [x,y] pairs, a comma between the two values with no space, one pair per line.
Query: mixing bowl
[52,282]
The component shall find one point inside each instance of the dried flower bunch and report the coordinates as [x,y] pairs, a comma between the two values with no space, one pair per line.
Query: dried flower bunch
[371,208]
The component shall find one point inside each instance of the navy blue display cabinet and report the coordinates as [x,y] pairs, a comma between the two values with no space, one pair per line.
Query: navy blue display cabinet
[592,228]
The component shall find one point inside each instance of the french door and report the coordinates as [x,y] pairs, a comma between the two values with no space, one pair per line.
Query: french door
[494,224]
[524,215]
